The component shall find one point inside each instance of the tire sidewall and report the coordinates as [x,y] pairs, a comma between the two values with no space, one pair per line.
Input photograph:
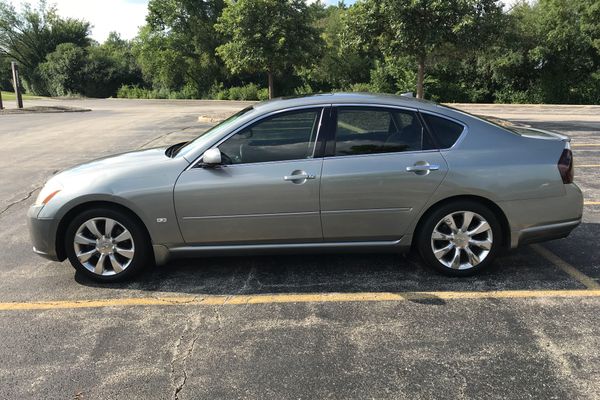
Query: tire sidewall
[424,236]
[141,259]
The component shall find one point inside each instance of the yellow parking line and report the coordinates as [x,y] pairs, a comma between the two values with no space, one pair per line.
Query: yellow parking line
[214,300]
[587,166]
[585,280]
[591,203]
[585,144]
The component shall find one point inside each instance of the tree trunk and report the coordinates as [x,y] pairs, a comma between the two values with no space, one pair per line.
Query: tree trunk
[421,78]
[271,88]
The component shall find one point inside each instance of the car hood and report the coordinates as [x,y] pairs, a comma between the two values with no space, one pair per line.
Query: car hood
[119,163]
[127,171]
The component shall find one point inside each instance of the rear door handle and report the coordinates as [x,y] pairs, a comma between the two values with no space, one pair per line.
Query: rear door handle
[421,168]
[299,176]
[416,168]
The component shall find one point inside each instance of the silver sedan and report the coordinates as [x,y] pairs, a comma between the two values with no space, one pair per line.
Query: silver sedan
[336,172]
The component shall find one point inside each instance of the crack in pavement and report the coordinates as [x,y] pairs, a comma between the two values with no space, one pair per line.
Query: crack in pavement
[178,362]
[14,203]
[165,135]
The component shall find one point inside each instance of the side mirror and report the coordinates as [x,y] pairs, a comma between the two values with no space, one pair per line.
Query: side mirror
[211,157]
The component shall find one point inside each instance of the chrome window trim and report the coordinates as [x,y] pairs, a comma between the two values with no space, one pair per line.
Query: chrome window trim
[395,153]
[271,162]
[405,108]
[373,105]
[258,119]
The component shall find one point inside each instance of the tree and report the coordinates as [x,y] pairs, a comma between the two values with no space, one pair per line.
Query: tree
[268,36]
[5,73]
[98,70]
[176,48]
[63,70]
[336,66]
[30,35]
[109,66]
[567,53]
[418,28]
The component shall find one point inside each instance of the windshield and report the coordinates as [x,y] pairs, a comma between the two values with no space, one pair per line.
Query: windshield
[215,131]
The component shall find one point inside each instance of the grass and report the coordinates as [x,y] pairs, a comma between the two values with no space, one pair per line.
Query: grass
[10,96]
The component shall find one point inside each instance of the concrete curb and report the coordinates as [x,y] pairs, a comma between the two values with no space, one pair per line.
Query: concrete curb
[42,110]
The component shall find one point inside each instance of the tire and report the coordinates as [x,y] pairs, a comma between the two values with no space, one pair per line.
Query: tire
[114,256]
[477,246]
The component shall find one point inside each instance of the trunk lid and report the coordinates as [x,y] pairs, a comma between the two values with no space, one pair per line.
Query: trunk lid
[526,130]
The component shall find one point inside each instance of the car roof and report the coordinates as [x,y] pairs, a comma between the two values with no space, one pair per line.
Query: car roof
[346,98]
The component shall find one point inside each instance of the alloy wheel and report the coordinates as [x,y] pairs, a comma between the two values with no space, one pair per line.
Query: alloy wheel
[462,240]
[104,246]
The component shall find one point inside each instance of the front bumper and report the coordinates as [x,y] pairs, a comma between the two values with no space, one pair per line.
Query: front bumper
[43,234]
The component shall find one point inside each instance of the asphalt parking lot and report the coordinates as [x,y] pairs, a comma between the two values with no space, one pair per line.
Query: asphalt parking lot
[279,327]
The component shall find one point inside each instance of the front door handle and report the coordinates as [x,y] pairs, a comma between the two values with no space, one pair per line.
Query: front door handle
[299,176]
[422,168]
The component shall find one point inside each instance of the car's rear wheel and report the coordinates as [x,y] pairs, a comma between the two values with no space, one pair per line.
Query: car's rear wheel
[107,245]
[460,238]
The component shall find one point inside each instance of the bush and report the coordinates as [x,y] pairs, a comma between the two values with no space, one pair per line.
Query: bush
[217,92]
[247,92]
[303,90]
[136,92]
[360,87]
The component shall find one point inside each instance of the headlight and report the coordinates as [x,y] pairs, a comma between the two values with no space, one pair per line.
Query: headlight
[47,193]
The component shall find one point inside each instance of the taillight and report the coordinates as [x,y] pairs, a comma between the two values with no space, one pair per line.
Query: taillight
[565,166]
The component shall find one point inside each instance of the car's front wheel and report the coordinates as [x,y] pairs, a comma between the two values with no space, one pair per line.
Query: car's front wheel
[107,245]
[460,238]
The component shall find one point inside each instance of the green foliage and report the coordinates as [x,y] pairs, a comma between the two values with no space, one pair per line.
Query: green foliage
[247,92]
[28,36]
[63,70]
[459,50]
[419,28]
[267,36]
[337,66]
[176,49]
[5,74]
[94,71]
[136,92]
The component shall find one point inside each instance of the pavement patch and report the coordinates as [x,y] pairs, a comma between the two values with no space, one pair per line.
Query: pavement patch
[585,280]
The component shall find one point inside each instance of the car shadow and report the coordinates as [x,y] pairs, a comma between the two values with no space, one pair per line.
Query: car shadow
[521,269]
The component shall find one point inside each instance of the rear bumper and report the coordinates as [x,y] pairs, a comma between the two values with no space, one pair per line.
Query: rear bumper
[42,233]
[547,232]
[538,220]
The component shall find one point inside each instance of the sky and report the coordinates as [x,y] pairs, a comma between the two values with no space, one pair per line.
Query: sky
[105,16]
[122,16]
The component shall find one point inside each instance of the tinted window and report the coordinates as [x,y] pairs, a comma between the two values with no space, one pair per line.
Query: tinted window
[290,136]
[371,131]
[446,132]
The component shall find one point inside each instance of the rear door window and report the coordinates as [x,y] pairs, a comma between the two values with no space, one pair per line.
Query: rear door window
[367,130]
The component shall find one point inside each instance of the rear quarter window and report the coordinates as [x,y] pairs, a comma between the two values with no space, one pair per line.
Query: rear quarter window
[445,132]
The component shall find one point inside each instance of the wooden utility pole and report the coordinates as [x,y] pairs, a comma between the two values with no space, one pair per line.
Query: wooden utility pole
[1,105]
[15,71]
